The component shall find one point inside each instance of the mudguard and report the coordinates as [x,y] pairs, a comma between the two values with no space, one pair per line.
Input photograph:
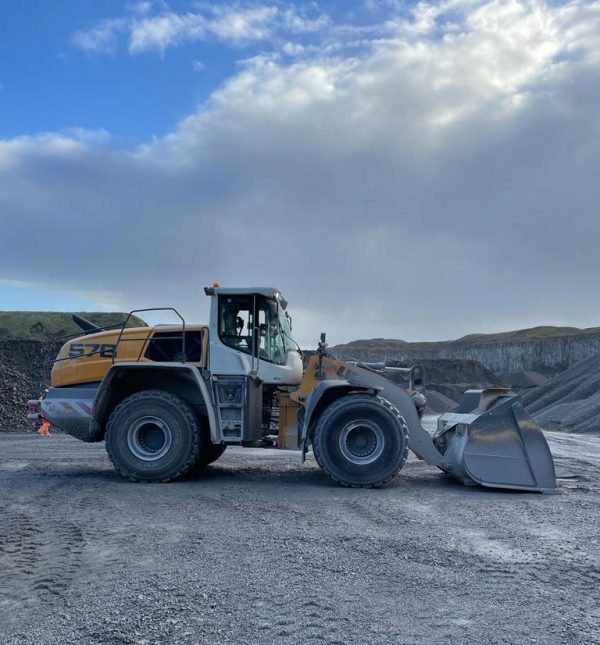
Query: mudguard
[340,386]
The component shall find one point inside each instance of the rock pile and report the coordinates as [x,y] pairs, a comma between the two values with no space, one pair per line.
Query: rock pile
[522,382]
[570,401]
[22,377]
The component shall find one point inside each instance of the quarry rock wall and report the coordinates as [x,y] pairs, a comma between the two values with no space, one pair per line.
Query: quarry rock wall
[548,356]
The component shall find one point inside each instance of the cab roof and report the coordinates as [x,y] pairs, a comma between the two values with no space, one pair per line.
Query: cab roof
[241,291]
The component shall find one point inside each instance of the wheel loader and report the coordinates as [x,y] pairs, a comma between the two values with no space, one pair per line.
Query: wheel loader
[170,399]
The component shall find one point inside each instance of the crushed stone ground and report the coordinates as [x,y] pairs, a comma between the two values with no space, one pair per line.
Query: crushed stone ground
[261,549]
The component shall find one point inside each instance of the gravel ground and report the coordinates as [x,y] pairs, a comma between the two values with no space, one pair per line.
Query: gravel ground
[263,550]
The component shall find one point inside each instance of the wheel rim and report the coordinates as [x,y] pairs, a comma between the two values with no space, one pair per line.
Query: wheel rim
[149,438]
[361,442]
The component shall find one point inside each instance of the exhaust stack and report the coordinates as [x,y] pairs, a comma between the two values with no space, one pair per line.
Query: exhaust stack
[85,325]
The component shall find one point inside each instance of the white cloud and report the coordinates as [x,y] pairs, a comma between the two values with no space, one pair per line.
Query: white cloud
[95,137]
[43,146]
[224,22]
[158,28]
[439,181]
[293,49]
[198,66]
[168,29]
[141,7]
[296,21]
[239,26]
[101,38]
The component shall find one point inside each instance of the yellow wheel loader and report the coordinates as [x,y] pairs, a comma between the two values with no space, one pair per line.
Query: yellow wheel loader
[169,399]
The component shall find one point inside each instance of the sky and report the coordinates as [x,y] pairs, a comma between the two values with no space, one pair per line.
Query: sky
[398,169]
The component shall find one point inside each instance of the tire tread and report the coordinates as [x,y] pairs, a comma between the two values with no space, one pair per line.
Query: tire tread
[330,411]
[177,402]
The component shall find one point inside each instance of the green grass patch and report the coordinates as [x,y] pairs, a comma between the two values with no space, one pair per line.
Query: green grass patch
[50,324]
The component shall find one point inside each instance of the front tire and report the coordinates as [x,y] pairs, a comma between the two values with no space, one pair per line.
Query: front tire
[153,436]
[361,441]
[209,454]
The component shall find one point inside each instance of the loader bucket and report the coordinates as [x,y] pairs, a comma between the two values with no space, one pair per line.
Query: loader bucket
[489,439]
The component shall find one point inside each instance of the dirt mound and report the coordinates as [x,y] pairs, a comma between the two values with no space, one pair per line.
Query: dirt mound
[570,401]
[22,377]
[523,380]
[438,403]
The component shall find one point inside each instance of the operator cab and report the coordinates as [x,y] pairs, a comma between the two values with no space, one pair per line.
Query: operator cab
[252,355]
[250,333]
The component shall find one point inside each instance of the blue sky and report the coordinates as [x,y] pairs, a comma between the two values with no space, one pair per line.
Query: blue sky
[50,84]
[409,170]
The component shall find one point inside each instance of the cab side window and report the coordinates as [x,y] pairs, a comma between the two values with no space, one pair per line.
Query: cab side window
[244,318]
[166,346]
[236,322]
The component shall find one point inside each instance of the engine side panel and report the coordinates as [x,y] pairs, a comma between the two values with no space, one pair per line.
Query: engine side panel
[88,358]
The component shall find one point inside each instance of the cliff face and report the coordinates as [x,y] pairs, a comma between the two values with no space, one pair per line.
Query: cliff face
[545,350]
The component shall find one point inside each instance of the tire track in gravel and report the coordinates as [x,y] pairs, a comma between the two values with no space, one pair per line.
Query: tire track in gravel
[38,561]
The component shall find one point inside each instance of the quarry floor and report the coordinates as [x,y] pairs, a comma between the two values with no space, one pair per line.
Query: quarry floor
[261,549]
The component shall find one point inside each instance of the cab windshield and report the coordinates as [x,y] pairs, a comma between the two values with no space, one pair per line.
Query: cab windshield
[241,315]
[285,327]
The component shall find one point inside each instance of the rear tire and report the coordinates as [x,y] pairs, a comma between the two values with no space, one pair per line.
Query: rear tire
[361,441]
[153,436]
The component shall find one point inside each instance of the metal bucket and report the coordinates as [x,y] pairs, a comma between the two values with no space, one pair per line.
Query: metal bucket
[489,439]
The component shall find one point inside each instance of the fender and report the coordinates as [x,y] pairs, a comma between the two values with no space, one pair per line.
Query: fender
[359,379]
[102,403]
[341,387]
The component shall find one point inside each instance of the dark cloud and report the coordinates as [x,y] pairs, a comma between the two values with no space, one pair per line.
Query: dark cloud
[419,191]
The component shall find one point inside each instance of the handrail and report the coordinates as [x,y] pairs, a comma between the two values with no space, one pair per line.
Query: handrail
[136,311]
[66,337]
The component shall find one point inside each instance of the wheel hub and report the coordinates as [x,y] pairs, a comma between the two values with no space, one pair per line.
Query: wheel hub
[149,438]
[361,442]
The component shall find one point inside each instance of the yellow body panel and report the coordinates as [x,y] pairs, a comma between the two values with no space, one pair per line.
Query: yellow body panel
[86,359]
[289,402]
[288,422]
[332,368]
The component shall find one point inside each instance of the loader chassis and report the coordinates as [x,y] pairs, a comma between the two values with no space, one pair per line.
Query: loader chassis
[170,399]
